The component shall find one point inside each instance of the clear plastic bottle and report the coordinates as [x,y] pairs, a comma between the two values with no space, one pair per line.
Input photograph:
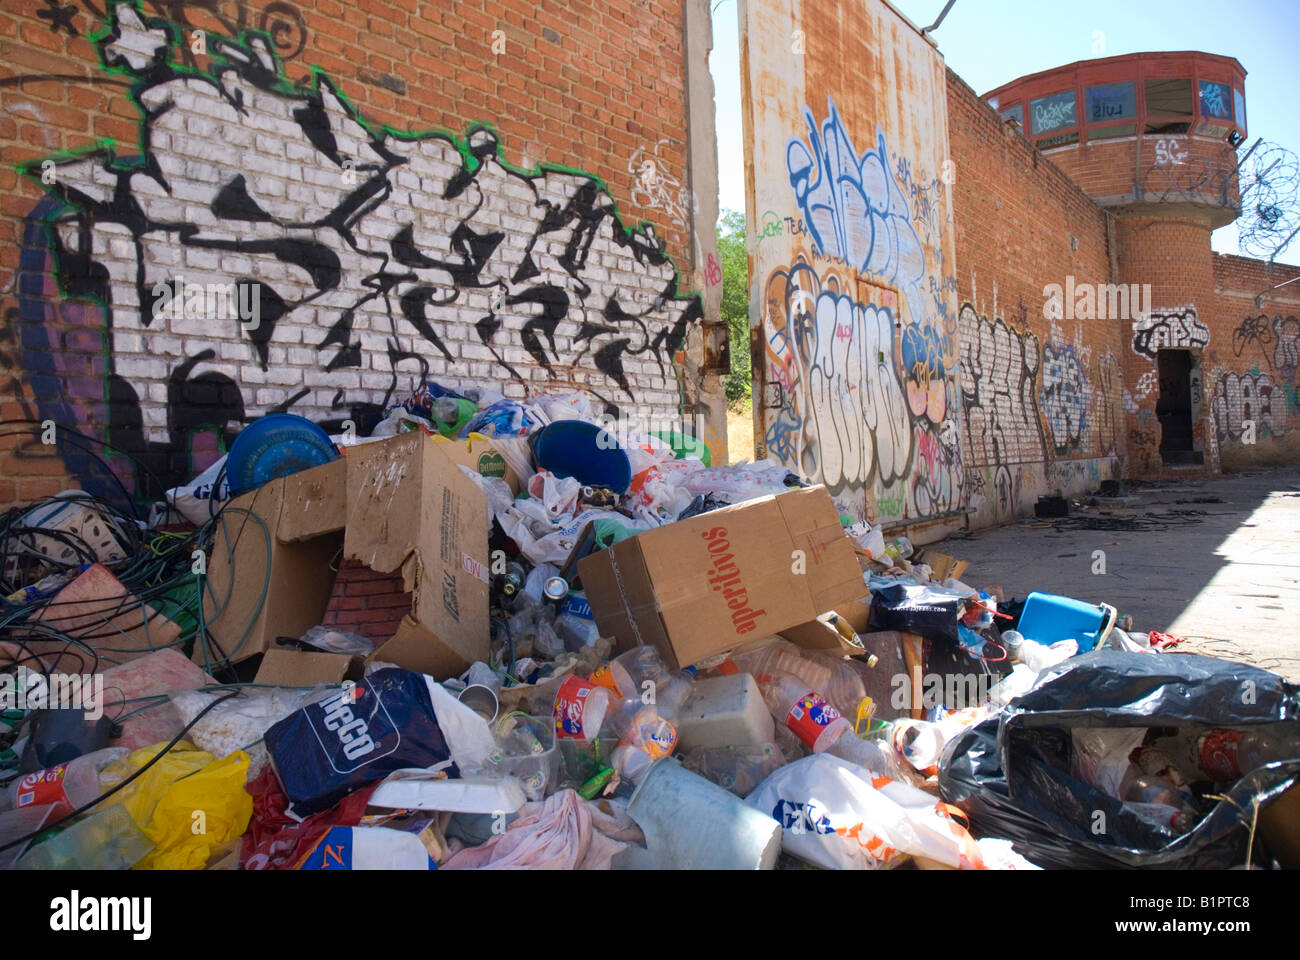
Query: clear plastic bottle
[1163,815]
[67,786]
[920,743]
[876,755]
[575,622]
[900,548]
[647,723]
[1038,657]
[449,414]
[535,583]
[107,839]
[1223,755]
[648,736]
[836,678]
[512,581]
[628,673]
[803,710]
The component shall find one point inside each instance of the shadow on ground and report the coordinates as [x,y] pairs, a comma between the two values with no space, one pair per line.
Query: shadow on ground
[1229,583]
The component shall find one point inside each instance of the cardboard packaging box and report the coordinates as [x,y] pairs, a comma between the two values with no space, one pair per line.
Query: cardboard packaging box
[702,586]
[301,668]
[399,504]
[822,637]
[1279,824]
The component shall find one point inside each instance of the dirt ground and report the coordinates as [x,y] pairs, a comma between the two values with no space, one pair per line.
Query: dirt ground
[1229,583]
[740,433]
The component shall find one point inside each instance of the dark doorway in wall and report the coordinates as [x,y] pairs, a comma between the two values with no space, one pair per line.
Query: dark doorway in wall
[1174,408]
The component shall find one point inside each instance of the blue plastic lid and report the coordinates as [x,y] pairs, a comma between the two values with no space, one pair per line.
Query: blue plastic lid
[275,445]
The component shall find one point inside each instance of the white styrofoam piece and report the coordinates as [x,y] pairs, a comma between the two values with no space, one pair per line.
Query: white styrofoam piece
[724,711]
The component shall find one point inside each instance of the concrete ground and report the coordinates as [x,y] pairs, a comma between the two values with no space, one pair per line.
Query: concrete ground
[1230,584]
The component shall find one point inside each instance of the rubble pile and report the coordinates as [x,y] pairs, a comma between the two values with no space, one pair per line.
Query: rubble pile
[501,633]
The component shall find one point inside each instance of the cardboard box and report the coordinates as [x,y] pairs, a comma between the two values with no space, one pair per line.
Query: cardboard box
[944,565]
[304,668]
[824,638]
[1279,825]
[702,586]
[399,504]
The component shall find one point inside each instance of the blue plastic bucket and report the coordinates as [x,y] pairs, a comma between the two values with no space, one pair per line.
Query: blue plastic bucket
[275,445]
[584,451]
[1048,618]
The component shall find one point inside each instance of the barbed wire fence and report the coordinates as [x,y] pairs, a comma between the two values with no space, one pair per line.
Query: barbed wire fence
[1262,180]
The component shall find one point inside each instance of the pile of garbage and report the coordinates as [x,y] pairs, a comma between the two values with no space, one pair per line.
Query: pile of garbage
[500,633]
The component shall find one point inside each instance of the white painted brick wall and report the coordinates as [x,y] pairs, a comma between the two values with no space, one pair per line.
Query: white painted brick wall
[202,144]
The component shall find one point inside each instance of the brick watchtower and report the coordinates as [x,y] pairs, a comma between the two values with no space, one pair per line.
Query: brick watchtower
[1152,138]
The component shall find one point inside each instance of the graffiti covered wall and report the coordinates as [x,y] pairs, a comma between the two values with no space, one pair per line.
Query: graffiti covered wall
[1252,383]
[1041,372]
[259,242]
[852,290]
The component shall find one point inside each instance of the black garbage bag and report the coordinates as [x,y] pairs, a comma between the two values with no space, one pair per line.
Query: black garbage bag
[917,608]
[1011,773]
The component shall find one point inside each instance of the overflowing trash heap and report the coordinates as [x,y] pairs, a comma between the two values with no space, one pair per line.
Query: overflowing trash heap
[512,634]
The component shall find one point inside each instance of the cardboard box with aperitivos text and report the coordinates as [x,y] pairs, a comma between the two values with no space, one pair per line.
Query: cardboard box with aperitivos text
[704,586]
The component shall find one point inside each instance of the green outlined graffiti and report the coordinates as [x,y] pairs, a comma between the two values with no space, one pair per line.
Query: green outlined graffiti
[376,255]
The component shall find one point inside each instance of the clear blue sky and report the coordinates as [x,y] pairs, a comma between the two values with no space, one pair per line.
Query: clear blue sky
[988,42]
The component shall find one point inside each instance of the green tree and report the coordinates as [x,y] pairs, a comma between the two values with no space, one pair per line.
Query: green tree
[735,300]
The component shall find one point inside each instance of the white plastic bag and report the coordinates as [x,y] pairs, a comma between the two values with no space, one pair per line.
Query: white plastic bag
[555,546]
[332,640]
[870,539]
[838,815]
[558,494]
[1101,755]
[392,424]
[739,481]
[517,455]
[202,498]
[469,738]
[560,406]
[498,493]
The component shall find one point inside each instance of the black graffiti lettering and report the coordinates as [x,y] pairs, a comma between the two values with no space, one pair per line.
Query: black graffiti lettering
[385,241]
[1159,330]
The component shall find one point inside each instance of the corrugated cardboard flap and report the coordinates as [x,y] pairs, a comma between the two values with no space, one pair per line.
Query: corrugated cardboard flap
[301,668]
[415,647]
[622,596]
[315,502]
[834,576]
[383,501]
[239,574]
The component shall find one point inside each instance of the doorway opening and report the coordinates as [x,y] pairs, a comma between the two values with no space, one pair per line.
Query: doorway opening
[1174,409]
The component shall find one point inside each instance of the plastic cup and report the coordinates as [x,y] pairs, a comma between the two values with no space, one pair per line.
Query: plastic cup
[580,708]
[919,742]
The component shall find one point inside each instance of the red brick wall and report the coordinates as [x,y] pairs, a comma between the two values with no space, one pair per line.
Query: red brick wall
[593,87]
[1022,224]
[1164,169]
[1252,361]
[365,602]
[1173,255]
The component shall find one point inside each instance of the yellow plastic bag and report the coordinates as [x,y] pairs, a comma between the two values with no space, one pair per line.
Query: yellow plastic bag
[188,803]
